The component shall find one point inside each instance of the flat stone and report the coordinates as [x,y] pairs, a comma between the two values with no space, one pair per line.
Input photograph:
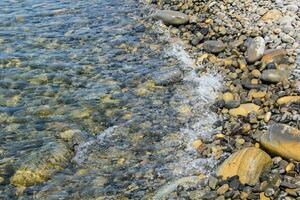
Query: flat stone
[288,99]
[282,140]
[170,17]
[212,182]
[38,166]
[274,55]
[167,76]
[214,46]
[244,110]
[247,164]
[212,195]
[271,15]
[274,75]
[223,189]
[255,49]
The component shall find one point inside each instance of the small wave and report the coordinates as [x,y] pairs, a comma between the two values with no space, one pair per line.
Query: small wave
[83,148]
[205,88]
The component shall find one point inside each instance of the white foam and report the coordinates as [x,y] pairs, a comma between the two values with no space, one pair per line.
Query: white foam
[205,89]
[82,150]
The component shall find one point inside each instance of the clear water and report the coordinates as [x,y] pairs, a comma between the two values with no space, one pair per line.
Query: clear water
[91,68]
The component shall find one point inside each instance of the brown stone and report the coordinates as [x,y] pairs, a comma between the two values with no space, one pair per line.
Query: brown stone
[271,15]
[263,197]
[247,163]
[287,99]
[274,55]
[244,109]
[282,140]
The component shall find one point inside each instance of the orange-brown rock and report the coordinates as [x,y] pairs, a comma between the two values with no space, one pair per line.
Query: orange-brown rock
[274,55]
[244,109]
[287,99]
[282,140]
[247,163]
[271,15]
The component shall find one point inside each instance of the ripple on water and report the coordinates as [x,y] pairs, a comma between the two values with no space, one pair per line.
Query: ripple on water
[82,75]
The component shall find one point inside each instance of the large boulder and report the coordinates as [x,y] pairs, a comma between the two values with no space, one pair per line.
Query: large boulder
[170,17]
[247,163]
[282,140]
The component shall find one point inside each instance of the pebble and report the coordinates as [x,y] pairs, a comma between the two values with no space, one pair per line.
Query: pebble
[244,110]
[223,189]
[170,17]
[255,50]
[212,182]
[274,75]
[214,46]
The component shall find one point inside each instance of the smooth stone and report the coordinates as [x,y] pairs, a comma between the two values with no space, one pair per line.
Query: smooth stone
[212,182]
[287,99]
[223,189]
[282,140]
[274,56]
[212,195]
[286,38]
[244,110]
[271,15]
[255,50]
[233,104]
[274,75]
[170,17]
[214,46]
[228,96]
[167,76]
[38,166]
[247,164]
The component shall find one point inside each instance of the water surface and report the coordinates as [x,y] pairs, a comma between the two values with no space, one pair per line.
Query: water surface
[82,86]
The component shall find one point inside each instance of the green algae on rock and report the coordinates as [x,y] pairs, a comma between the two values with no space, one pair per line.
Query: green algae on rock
[282,140]
[40,165]
[247,163]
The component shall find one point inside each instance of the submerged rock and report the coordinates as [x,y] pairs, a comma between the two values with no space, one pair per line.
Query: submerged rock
[214,46]
[168,76]
[244,109]
[170,17]
[40,165]
[255,49]
[274,75]
[247,163]
[282,140]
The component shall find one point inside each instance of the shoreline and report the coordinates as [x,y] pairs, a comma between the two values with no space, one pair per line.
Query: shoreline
[257,52]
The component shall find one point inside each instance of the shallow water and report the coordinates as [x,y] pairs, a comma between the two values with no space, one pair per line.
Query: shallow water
[86,96]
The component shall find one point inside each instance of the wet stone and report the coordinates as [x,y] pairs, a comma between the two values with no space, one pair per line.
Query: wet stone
[214,46]
[170,17]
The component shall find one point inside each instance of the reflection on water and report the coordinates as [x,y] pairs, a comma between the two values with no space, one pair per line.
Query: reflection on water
[91,105]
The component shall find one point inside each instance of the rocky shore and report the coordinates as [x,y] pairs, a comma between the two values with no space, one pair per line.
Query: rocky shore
[255,46]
